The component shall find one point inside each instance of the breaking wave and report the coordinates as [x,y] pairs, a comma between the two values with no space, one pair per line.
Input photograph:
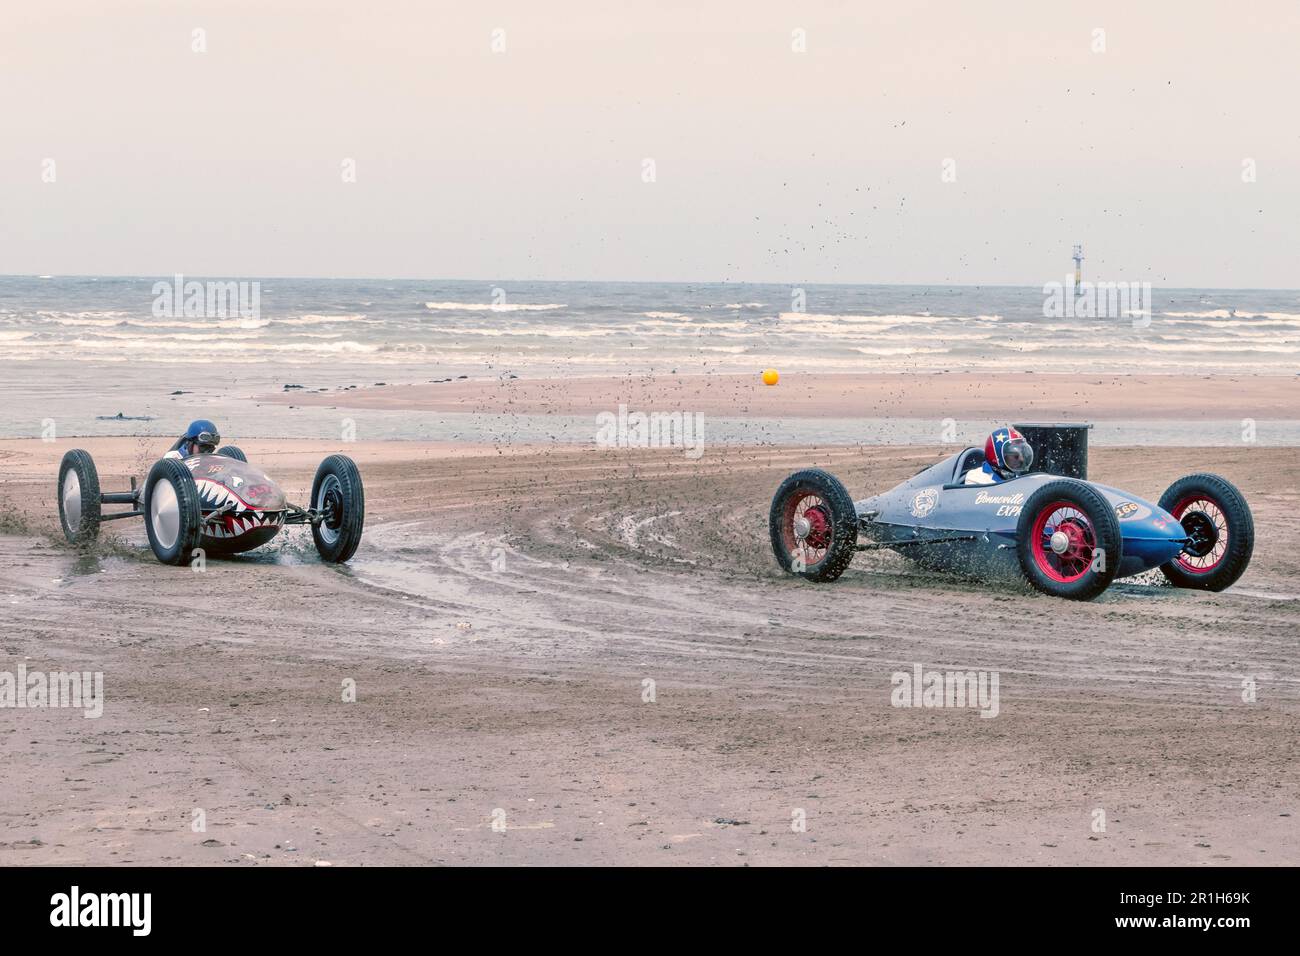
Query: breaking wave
[490,307]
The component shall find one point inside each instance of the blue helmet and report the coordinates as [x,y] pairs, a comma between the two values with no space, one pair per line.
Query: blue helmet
[204,434]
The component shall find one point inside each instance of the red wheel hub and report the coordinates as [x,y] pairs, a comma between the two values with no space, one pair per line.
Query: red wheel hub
[819,527]
[1064,542]
[807,529]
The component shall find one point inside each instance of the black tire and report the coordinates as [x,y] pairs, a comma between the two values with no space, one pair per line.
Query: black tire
[1185,499]
[829,541]
[78,495]
[232,451]
[172,516]
[337,490]
[1075,573]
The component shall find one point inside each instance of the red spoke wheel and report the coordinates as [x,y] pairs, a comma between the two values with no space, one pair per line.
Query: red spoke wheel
[1068,540]
[1220,532]
[813,525]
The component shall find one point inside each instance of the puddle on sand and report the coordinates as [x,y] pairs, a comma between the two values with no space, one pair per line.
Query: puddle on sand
[1266,595]
[405,578]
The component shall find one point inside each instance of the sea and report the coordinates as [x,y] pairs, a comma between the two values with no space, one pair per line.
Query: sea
[103,355]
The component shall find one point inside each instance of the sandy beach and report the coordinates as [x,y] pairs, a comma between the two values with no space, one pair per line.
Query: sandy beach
[1041,396]
[502,618]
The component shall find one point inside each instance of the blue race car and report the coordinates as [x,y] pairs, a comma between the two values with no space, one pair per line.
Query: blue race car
[1068,536]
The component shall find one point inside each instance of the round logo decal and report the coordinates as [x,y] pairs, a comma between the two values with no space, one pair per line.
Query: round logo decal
[924,501]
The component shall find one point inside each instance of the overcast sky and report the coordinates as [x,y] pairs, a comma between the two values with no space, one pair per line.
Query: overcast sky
[769,164]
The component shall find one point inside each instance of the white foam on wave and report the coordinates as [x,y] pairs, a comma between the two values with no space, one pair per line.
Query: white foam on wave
[222,344]
[694,328]
[312,319]
[1236,314]
[665,315]
[492,307]
[887,333]
[549,332]
[852,319]
[906,350]
[1219,349]
[165,336]
[238,322]
[89,318]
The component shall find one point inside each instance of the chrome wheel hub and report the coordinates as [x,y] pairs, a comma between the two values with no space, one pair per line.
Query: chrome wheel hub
[165,514]
[72,499]
[328,497]
[1060,542]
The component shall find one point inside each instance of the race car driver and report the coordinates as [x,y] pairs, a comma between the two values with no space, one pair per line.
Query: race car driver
[1006,455]
[201,438]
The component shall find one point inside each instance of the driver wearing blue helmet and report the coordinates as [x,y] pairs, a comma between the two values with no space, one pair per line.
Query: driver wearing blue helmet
[201,438]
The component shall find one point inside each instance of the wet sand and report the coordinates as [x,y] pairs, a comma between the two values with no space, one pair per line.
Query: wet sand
[502,616]
[1038,396]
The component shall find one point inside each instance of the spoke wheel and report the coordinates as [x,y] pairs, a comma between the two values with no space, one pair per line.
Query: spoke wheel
[1220,532]
[813,526]
[1068,540]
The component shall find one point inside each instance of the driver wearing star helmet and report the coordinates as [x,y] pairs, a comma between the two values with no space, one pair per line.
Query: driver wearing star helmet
[1006,455]
[201,438]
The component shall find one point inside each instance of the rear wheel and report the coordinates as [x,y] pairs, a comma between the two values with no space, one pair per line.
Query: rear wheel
[813,525]
[1068,540]
[172,516]
[338,494]
[232,451]
[79,502]
[1220,531]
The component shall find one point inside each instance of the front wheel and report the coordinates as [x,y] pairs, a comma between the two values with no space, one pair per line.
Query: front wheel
[813,525]
[79,501]
[1220,532]
[232,451]
[1068,540]
[172,516]
[338,495]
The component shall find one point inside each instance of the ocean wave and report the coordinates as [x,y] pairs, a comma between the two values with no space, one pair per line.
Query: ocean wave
[665,315]
[852,319]
[552,332]
[889,333]
[1220,349]
[221,344]
[491,307]
[745,305]
[1285,318]
[693,328]
[915,350]
[214,323]
[321,319]
[162,336]
[1237,323]
[89,314]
